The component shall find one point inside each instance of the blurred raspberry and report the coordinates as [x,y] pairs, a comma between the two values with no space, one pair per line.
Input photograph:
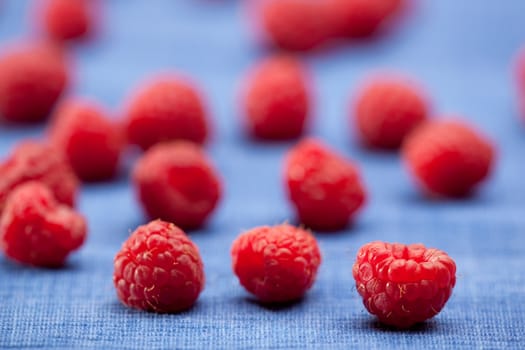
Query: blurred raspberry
[30,161]
[166,109]
[36,230]
[360,18]
[276,99]
[520,78]
[66,19]
[325,188]
[297,25]
[33,76]
[386,110]
[276,264]
[448,158]
[403,284]
[176,182]
[158,269]
[91,142]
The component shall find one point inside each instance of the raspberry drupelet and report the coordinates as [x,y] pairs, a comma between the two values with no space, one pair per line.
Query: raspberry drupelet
[386,110]
[158,269]
[35,229]
[325,189]
[91,142]
[448,157]
[63,20]
[175,181]
[277,99]
[165,109]
[296,25]
[277,263]
[403,284]
[33,161]
[34,76]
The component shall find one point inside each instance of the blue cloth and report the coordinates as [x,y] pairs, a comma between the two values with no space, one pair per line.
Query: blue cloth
[462,53]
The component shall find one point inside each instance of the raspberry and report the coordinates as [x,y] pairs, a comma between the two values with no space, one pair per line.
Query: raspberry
[36,230]
[277,100]
[520,78]
[89,140]
[276,264]
[33,78]
[403,284]
[297,25]
[158,269]
[386,110]
[32,161]
[325,188]
[166,109]
[360,18]
[176,182]
[66,19]
[448,158]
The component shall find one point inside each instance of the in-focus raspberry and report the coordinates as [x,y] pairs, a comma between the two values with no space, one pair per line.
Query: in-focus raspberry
[325,189]
[297,25]
[448,157]
[92,143]
[158,269]
[360,18]
[33,77]
[276,99]
[176,182]
[386,110]
[403,284]
[277,263]
[35,229]
[166,109]
[33,161]
[66,19]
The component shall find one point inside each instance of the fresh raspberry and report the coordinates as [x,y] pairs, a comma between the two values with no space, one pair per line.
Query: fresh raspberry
[158,269]
[297,25]
[386,110]
[33,78]
[520,79]
[36,230]
[325,188]
[66,19]
[32,161]
[166,109]
[175,181]
[448,158]
[277,99]
[276,264]
[91,142]
[360,18]
[403,284]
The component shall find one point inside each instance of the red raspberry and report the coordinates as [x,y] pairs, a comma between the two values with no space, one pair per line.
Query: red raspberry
[448,158]
[66,19]
[325,188]
[276,264]
[520,78]
[294,24]
[32,161]
[158,269]
[403,284]
[360,18]
[36,230]
[276,99]
[91,142]
[33,78]
[176,182]
[166,109]
[386,110]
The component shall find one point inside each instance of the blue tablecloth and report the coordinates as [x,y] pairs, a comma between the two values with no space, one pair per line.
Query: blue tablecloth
[461,51]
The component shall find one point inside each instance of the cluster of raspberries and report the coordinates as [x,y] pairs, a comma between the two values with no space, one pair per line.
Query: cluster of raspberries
[159,268]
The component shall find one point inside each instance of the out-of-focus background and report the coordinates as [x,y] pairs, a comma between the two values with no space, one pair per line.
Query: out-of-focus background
[462,52]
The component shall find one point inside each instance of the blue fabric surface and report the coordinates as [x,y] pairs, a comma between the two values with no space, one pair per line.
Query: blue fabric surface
[460,50]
